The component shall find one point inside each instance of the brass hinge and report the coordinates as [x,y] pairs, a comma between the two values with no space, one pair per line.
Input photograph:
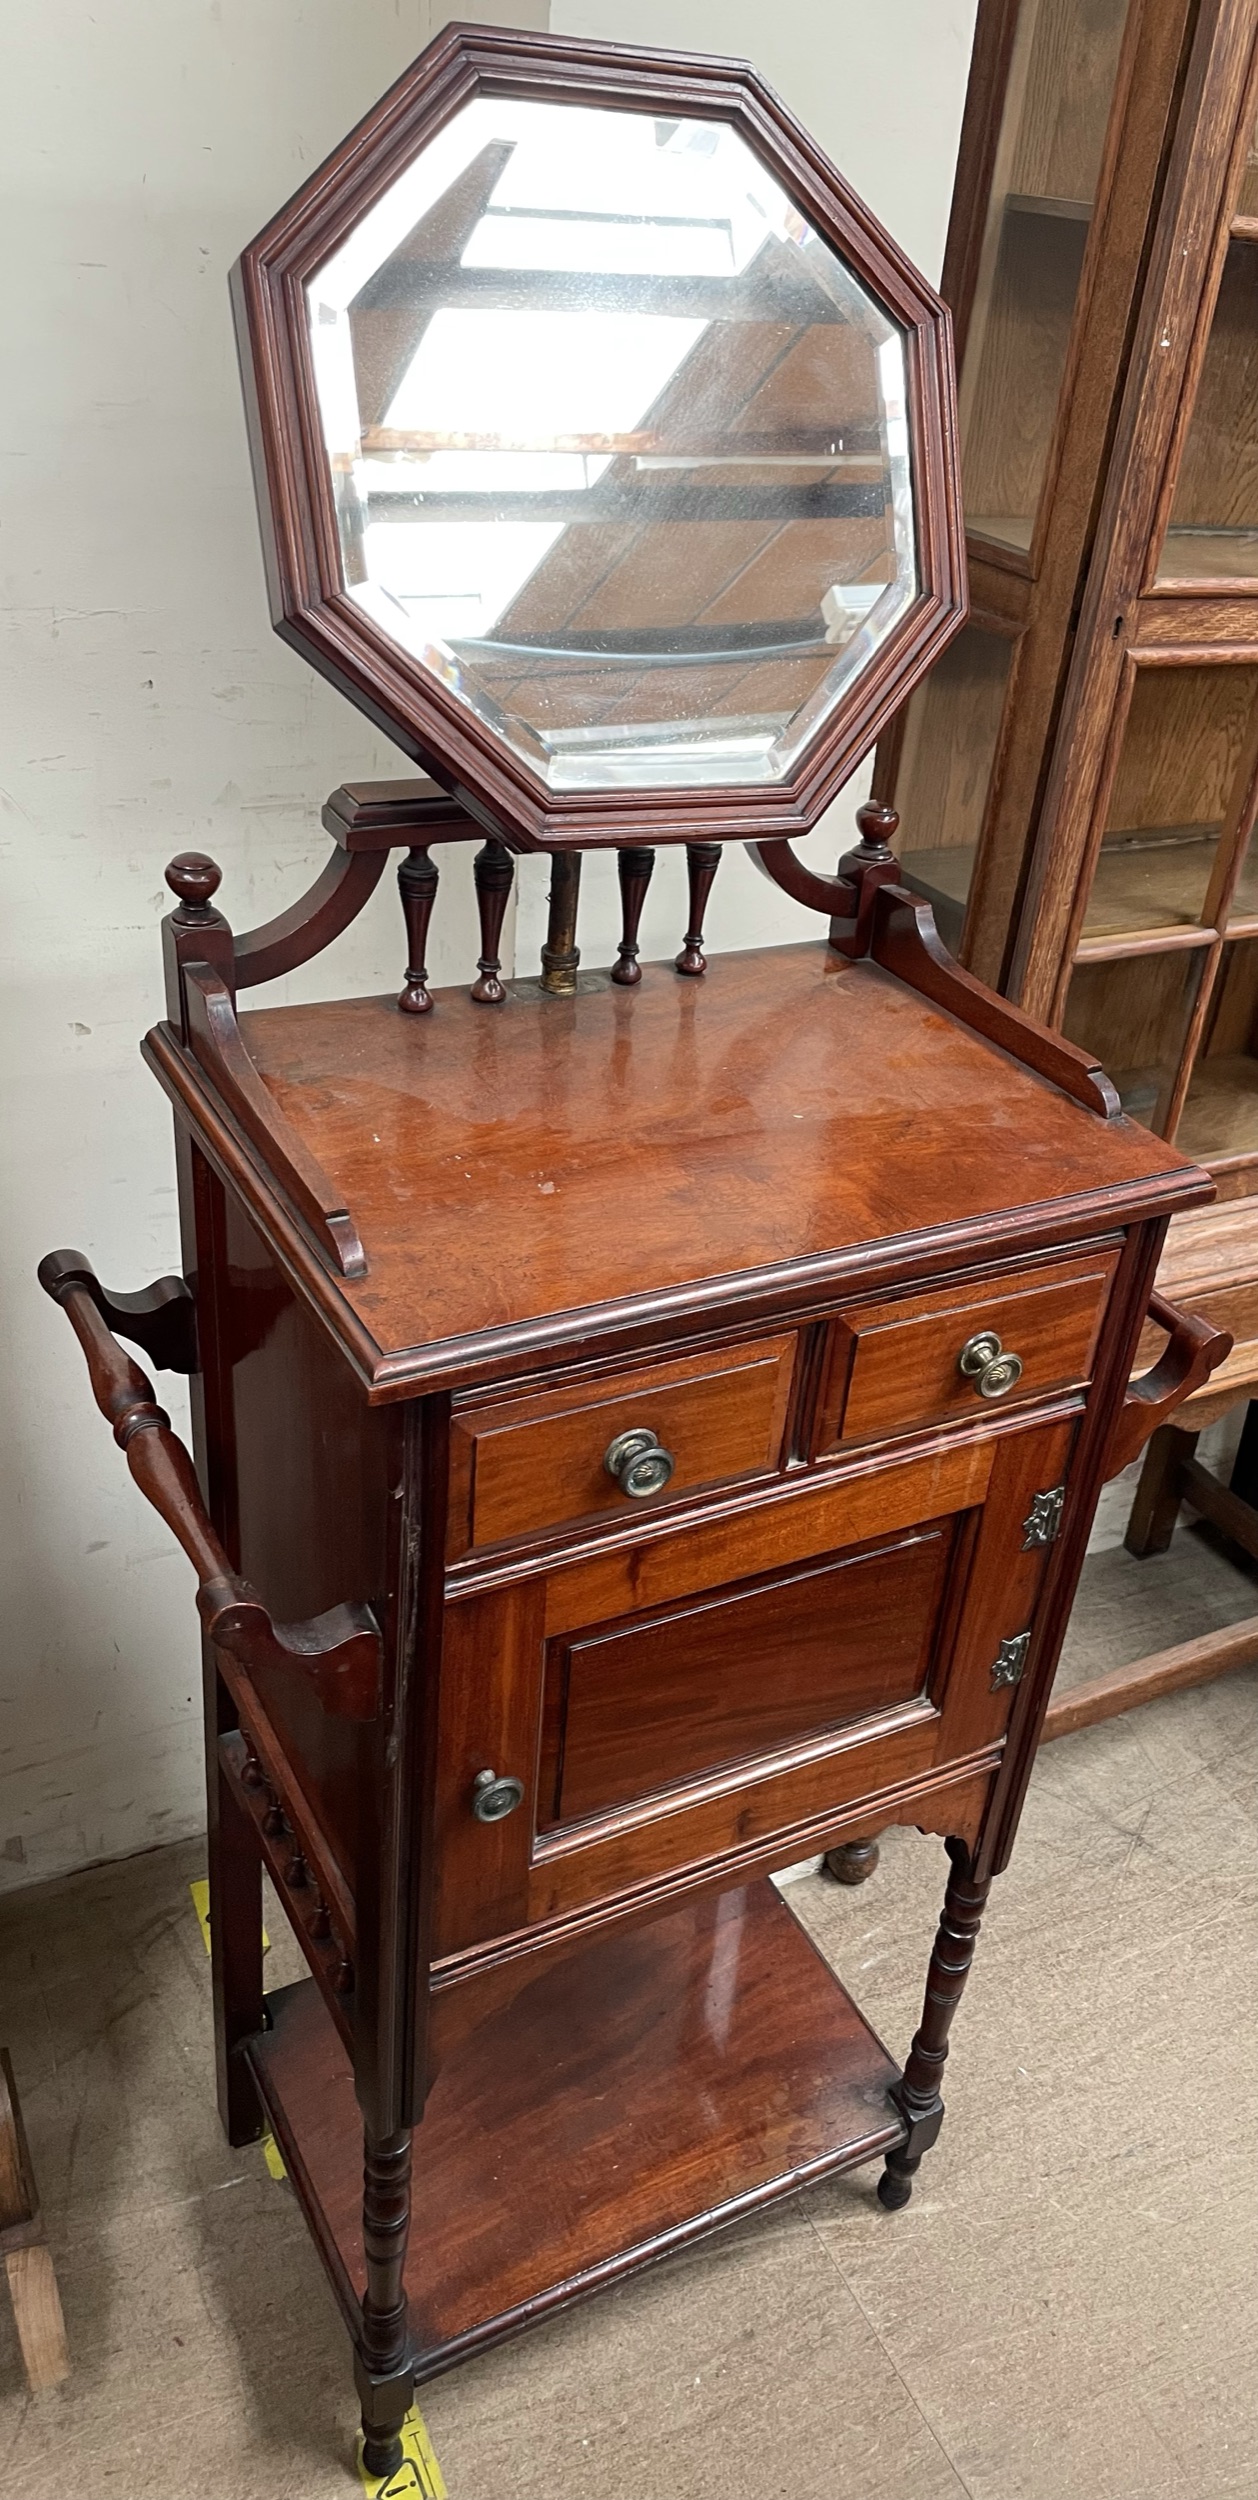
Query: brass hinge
[1010,1661]
[1043,1520]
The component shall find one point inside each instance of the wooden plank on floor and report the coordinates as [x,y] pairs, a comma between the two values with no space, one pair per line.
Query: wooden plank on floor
[1147,1679]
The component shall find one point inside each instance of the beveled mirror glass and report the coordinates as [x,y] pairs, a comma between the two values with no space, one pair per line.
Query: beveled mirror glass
[618,445]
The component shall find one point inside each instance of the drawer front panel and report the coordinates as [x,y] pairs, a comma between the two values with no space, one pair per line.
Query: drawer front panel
[668,1696]
[896,1365]
[528,1464]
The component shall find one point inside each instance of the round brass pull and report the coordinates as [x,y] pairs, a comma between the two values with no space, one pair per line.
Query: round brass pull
[493,1798]
[639,1462]
[984,1361]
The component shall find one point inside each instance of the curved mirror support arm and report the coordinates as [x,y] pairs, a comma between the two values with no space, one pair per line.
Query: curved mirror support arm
[328,907]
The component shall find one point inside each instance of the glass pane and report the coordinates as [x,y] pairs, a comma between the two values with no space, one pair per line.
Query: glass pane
[1170,796]
[1134,1014]
[619,446]
[1057,100]
[1247,203]
[1213,533]
[950,734]
[1220,1116]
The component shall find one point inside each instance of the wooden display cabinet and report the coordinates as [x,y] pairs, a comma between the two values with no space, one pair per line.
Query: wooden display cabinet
[646,1430]
[1091,806]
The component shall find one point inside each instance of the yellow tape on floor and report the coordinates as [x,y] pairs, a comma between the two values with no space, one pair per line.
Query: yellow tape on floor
[418,2477]
[200,1892]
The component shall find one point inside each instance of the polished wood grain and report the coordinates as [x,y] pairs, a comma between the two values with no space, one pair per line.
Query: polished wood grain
[214,1039]
[894,1365]
[637,2093]
[530,1463]
[732,1101]
[633,1707]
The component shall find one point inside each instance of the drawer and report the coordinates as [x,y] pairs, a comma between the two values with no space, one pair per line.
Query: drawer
[894,1365]
[528,1464]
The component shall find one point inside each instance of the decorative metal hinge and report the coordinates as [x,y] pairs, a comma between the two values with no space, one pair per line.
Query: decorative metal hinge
[1010,1661]
[1044,1518]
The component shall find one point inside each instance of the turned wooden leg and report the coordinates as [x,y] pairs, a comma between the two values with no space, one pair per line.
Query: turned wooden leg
[493,870]
[27,2260]
[1158,1493]
[852,1862]
[417,881]
[561,955]
[702,861]
[634,867]
[917,2095]
[235,1873]
[383,2367]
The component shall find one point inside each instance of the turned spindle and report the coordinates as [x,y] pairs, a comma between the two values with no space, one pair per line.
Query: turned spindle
[561,954]
[383,2363]
[273,1820]
[298,1872]
[493,869]
[251,1768]
[343,1977]
[635,867]
[320,1918]
[917,2095]
[417,880]
[702,861]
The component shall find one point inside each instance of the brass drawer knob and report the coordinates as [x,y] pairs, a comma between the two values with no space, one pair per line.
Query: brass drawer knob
[639,1462]
[492,1798]
[984,1361]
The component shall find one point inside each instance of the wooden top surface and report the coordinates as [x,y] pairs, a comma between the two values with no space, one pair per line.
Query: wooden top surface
[790,1121]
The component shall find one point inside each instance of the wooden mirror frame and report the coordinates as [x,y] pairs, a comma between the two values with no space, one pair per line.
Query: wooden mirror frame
[311,610]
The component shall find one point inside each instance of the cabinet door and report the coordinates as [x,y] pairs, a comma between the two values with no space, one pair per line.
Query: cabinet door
[720,1693]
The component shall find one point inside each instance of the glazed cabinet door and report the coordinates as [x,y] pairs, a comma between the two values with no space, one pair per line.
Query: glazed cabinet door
[696,1698]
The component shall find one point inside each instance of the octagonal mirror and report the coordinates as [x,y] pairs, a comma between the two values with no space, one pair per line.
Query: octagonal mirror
[620,449]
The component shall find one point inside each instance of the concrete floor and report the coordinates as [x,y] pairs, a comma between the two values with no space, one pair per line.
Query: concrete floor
[1067,2311]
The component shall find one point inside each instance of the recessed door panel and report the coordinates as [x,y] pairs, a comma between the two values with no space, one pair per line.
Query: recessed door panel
[643,1704]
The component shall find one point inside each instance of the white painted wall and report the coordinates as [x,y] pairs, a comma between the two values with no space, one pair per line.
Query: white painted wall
[147,707]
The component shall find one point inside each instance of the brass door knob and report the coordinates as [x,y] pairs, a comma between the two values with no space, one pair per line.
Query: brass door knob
[639,1462]
[984,1361]
[493,1799]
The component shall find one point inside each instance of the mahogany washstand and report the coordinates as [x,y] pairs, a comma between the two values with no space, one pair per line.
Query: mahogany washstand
[647,1422]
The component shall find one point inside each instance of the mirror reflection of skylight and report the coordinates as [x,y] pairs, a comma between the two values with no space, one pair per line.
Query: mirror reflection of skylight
[618,446]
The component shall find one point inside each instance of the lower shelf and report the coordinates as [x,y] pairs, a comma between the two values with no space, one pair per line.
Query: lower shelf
[639,2091]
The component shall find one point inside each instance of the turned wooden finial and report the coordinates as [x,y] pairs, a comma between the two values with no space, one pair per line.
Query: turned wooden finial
[194,880]
[870,866]
[493,869]
[634,867]
[702,861]
[878,827]
[417,880]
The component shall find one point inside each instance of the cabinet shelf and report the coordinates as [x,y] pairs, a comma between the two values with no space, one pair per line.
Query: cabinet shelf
[1220,1116]
[1039,204]
[640,2089]
[1202,552]
[1154,877]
